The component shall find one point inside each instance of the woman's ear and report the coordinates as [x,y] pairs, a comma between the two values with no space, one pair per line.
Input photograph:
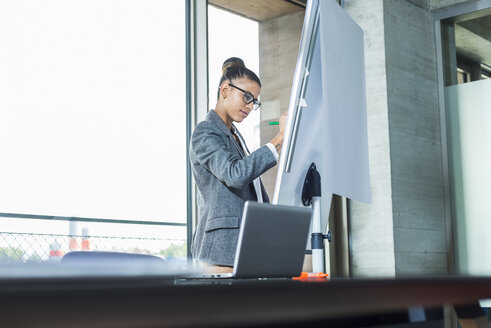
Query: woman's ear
[224,90]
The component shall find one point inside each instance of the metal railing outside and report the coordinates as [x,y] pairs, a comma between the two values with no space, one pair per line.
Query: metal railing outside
[33,247]
[28,238]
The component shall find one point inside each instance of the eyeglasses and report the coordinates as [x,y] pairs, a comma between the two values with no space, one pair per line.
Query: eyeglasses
[248,97]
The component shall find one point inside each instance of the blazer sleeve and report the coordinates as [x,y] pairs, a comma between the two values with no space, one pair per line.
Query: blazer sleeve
[209,146]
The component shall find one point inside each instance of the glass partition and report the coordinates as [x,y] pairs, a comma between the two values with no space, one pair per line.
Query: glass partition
[469,140]
[466,49]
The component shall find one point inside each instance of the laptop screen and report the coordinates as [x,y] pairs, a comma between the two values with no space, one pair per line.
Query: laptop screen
[272,241]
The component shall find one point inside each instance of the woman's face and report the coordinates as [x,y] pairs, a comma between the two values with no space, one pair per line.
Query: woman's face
[233,99]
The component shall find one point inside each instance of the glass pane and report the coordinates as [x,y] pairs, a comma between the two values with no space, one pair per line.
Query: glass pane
[93,109]
[230,35]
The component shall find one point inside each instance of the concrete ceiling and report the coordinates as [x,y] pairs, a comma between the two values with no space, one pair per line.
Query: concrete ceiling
[473,39]
[260,10]
[437,4]
[479,26]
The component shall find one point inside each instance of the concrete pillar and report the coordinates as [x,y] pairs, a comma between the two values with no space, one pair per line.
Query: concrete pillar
[416,152]
[403,231]
[371,226]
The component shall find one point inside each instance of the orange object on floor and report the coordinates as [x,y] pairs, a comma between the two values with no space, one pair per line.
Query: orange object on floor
[313,276]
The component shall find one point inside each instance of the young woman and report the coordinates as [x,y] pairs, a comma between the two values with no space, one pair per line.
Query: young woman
[226,173]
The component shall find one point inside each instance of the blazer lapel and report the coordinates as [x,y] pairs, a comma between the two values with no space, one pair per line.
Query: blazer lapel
[213,117]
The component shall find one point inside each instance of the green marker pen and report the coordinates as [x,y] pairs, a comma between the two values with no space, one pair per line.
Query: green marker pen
[274,123]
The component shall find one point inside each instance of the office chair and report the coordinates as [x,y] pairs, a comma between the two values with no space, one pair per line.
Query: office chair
[99,257]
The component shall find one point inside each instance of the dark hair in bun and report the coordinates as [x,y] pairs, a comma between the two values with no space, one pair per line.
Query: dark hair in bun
[234,69]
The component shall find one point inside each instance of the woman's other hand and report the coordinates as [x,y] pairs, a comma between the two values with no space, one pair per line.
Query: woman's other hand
[278,140]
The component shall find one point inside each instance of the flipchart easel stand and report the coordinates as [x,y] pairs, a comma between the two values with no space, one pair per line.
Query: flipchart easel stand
[311,195]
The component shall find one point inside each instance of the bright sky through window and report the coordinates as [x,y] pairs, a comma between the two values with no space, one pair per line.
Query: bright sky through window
[230,35]
[92,112]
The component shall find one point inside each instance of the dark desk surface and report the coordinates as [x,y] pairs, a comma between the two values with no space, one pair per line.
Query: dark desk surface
[159,301]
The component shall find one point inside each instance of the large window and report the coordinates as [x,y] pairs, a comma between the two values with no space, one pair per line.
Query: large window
[92,119]
[230,35]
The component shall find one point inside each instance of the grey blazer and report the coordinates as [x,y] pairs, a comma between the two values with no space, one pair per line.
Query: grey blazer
[224,177]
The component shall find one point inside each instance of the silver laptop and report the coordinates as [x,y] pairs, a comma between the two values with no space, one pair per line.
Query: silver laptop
[272,242]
